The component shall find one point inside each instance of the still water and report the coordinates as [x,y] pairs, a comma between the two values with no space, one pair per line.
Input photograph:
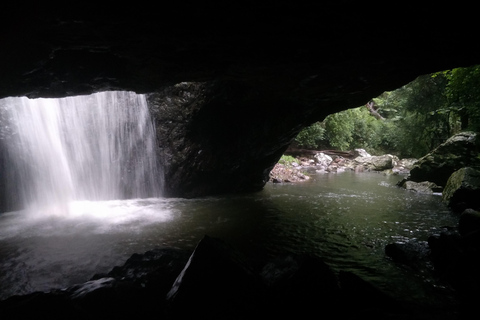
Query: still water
[345,218]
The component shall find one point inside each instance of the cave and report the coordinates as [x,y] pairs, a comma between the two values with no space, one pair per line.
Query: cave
[229,86]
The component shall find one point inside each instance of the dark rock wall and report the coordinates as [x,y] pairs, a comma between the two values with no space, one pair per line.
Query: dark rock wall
[260,70]
[219,137]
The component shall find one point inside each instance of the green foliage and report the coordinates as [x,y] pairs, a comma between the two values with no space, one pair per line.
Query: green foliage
[339,127]
[418,117]
[311,136]
[463,93]
[287,160]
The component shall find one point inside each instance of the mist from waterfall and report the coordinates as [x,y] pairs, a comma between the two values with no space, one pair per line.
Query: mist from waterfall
[96,147]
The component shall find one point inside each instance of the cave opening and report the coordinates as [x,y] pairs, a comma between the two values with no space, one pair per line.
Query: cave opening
[102,230]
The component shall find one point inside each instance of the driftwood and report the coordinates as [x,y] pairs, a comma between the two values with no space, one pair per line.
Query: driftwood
[295,152]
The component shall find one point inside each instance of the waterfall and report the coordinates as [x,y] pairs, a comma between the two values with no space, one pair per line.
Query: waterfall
[96,147]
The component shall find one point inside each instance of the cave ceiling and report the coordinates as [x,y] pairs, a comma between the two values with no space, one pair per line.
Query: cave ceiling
[313,52]
[230,83]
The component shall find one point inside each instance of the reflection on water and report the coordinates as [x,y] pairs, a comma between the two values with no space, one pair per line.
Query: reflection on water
[347,219]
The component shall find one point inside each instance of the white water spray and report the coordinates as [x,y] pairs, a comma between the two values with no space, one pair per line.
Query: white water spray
[96,147]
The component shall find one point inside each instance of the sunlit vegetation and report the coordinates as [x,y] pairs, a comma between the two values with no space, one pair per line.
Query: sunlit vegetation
[287,160]
[407,122]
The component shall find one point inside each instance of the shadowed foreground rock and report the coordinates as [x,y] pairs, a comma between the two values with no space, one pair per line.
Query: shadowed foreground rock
[460,150]
[215,282]
[462,190]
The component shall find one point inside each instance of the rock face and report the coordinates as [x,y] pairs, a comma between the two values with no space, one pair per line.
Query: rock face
[462,190]
[217,282]
[461,150]
[232,91]
[208,139]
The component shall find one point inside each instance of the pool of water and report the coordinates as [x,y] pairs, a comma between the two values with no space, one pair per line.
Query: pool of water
[345,218]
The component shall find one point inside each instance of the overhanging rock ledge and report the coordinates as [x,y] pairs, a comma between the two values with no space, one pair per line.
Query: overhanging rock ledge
[232,83]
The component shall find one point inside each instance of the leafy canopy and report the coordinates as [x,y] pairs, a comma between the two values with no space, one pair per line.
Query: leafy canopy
[413,120]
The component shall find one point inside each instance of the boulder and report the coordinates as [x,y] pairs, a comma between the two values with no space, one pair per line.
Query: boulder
[462,190]
[469,222]
[413,253]
[407,163]
[460,150]
[361,153]
[323,159]
[376,163]
[216,283]
[404,166]
[421,187]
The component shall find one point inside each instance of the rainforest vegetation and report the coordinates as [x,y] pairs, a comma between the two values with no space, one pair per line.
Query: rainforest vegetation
[407,122]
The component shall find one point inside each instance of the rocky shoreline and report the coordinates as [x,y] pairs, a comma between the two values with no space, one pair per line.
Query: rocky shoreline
[321,162]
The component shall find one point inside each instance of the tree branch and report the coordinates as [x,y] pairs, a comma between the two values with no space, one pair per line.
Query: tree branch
[371,108]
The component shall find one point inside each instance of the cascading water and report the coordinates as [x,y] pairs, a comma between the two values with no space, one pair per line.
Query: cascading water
[95,147]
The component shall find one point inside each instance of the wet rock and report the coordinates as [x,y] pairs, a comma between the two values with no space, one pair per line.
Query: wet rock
[420,187]
[413,254]
[462,190]
[469,222]
[461,150]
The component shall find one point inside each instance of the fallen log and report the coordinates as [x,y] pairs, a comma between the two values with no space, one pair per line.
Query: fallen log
[296,152]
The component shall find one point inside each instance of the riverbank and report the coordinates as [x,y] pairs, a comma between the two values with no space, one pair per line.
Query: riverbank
[297,168]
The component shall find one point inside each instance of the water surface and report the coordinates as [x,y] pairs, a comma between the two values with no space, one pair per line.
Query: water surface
[346,218]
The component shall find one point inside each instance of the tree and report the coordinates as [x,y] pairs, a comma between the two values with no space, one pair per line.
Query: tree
[311,136]
[409,121]
[463,94]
